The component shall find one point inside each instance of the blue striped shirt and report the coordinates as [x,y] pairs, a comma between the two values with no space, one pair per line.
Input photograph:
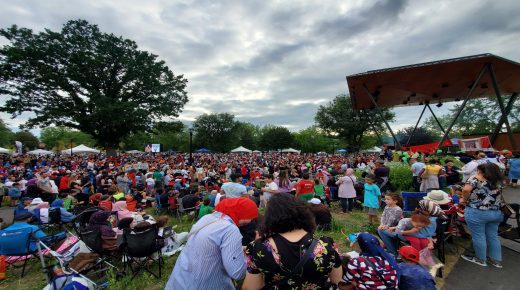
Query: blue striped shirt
[212,257]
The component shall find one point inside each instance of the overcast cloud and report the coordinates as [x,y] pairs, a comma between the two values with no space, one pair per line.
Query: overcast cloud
[275,62]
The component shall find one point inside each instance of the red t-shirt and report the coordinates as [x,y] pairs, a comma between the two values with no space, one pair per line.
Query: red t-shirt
[305,186]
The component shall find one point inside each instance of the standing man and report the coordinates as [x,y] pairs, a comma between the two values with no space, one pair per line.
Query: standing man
[416,167]
[382,173]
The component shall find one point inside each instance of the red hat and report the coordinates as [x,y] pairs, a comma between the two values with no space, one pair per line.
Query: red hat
[409,253]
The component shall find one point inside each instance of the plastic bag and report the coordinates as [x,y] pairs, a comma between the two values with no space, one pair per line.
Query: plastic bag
[429,261]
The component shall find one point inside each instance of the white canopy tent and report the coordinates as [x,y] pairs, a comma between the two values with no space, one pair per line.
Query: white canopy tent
[290,150]
[257,151]
[80,149]
[4,150]
[40,152]
[241,149]
[134,152]
[375,149]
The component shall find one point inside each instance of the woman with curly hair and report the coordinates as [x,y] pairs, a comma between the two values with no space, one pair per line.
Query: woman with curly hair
[287,255]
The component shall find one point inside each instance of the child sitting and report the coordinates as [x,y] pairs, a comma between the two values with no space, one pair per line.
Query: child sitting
[67,200]
[413,276]
[392,212]
[205,208]
[418,230]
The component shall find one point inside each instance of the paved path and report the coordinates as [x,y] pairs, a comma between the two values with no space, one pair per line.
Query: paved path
[466,275]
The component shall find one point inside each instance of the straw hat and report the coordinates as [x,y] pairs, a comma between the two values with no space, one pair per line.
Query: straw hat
[438,196]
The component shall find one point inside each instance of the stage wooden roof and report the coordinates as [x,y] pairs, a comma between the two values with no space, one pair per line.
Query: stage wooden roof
[437,81]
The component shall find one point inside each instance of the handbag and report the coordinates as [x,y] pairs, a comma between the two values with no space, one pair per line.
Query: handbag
[505,208]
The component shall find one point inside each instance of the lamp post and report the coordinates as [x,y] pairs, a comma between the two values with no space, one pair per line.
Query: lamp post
[191,141]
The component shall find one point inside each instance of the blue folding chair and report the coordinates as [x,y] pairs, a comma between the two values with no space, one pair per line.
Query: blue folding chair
[411,200]
[18,243]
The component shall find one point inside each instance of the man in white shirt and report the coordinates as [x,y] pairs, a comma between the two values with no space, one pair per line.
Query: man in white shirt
[268,190]
[470,169]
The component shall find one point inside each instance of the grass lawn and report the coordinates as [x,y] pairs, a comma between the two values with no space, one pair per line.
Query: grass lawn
[356,222]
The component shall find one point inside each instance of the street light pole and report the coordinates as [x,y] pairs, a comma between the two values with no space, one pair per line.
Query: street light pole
[191,141]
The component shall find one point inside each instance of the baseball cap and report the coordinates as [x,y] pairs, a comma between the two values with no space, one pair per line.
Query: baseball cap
[315,201]
[409,253]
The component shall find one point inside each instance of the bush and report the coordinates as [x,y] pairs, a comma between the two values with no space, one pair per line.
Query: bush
[400,176]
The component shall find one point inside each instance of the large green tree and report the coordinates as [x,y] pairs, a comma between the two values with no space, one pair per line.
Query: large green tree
[276,137]
[312,140]
[61,138]
[215,131]
[28,140]
[420,136]
[246,134]
[480,116]
[338,118]
[6,135]
[84,79]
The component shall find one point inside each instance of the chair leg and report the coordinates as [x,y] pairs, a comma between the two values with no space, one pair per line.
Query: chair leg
[23,268]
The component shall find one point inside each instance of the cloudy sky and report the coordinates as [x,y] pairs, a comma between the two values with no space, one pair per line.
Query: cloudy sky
[275,62]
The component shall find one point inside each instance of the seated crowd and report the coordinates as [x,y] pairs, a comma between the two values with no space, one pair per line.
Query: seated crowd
[283,247]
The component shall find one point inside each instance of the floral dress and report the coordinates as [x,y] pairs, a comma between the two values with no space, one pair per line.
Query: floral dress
[275,266]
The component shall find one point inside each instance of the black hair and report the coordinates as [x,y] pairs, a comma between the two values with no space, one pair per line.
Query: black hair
[306,175]
[491,173]
[285,213]
[206,201]
[234,176]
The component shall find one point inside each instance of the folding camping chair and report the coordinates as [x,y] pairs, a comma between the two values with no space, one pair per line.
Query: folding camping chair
[18,245]
[94,272]
[182,210]
[139,247]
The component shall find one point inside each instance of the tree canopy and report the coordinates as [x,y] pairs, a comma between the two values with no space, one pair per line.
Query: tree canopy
[28,140]
[276,137]
[60,138]
[480,116]
[84,79]
[420,136]
[6,135]
[338,118]
[215,131]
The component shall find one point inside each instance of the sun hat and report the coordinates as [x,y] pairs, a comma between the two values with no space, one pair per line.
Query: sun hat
[438,196]
[36,201]
[409,253]
[315,201]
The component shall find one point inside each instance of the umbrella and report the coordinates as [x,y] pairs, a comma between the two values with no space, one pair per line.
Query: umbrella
[341,150]
[203,150]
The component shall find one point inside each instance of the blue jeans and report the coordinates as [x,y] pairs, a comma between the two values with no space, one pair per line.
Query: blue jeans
[483,225]
[391,240]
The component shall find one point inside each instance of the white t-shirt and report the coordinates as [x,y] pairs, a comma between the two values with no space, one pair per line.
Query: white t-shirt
[150,181]
[271,186]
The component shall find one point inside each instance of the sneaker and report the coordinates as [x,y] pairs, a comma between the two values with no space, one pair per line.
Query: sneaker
[474,260]
[495,264]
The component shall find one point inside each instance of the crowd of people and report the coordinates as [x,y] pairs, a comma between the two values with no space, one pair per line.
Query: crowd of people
[278,249]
